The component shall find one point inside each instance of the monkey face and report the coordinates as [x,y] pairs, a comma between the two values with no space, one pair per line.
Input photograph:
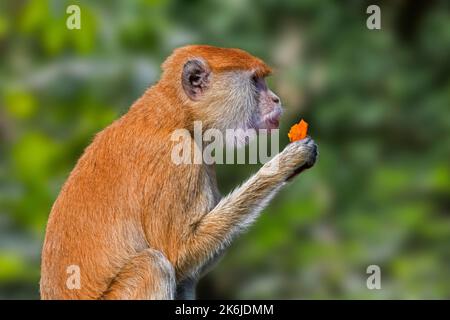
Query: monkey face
[247,102]
[234,99]
[268,105]
[241,100]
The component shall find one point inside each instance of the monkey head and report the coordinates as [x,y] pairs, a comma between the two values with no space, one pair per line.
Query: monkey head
[224,88]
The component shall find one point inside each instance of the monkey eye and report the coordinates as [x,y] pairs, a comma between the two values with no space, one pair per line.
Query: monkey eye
[259,83]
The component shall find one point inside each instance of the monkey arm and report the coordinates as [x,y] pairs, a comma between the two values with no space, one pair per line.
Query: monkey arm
[216,229]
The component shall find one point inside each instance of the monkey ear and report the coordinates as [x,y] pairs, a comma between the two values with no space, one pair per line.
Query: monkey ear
[195,78]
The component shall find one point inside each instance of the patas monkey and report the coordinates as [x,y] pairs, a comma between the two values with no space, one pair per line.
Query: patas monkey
[137,226]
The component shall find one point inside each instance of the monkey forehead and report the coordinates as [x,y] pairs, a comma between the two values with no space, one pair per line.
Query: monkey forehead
[218,59]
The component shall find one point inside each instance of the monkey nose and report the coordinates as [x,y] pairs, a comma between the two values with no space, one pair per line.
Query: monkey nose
[276,99]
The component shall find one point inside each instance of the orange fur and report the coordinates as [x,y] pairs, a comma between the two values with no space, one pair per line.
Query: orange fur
[125,197]
[219,59]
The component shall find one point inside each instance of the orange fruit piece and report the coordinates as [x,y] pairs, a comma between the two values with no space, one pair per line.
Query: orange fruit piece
[298,131]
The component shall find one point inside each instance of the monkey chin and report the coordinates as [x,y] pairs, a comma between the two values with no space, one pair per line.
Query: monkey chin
[272,124]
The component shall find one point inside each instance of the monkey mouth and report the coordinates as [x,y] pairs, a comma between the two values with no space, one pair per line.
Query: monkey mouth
[271,120]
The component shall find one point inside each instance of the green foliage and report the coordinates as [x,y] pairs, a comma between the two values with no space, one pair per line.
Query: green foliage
[377,103]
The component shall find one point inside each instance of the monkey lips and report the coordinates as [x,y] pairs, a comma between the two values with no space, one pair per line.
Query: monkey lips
[271,120]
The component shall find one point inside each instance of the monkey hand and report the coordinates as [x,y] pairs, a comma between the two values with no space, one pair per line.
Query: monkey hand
[297,157]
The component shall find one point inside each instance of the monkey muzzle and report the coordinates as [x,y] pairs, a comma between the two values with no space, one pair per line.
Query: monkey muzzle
[271,120]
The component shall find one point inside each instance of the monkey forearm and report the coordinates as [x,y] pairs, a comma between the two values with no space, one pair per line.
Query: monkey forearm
[215,230]
[245,202]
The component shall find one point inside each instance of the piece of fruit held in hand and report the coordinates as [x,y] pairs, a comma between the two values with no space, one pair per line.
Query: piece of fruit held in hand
[298,131]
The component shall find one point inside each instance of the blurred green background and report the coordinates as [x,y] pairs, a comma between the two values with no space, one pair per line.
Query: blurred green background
[378,104]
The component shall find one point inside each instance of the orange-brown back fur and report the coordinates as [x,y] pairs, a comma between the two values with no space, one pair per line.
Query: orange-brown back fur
[125,194]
